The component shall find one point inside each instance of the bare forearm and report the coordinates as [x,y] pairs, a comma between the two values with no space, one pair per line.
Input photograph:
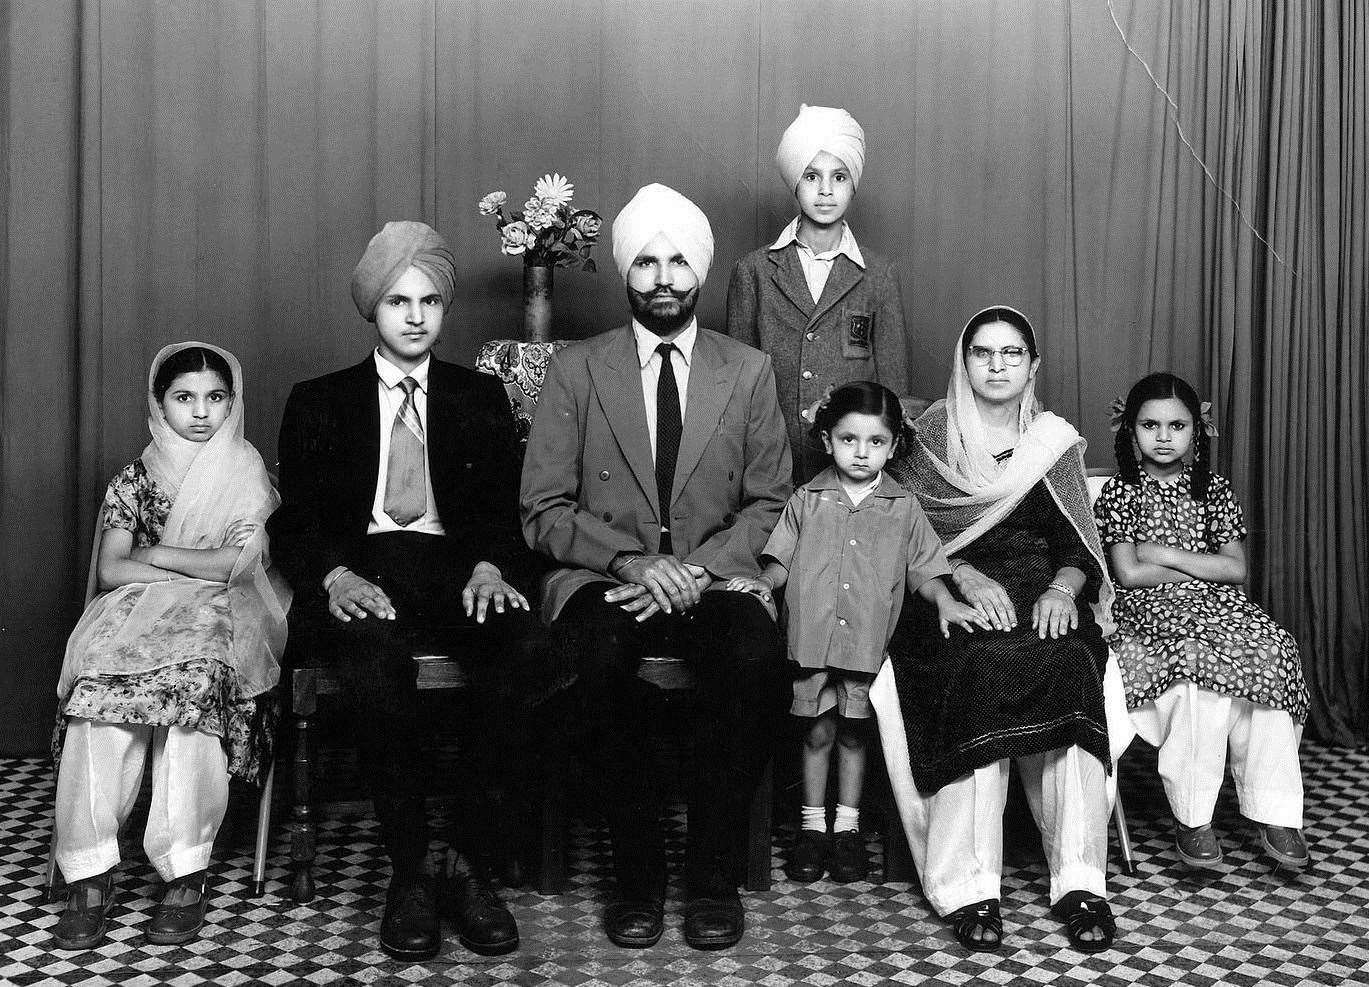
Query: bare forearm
[1140,575]
[120,572]
[934,590]
[1201,565]
[215,564]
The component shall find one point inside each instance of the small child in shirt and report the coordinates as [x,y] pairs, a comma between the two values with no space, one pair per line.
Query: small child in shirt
[847,546]
[826,310]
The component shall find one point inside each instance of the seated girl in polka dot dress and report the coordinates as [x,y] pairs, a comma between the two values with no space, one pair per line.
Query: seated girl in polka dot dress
[1206,670]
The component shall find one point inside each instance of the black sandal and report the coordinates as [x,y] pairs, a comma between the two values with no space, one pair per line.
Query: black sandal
[982,916]
[1083,912]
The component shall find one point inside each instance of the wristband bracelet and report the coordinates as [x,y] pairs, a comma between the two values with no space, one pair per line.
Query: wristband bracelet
[1062,588]
[334,577]
[618,565]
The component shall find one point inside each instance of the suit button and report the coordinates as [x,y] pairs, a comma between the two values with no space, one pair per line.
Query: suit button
[729,474]
[842,621]
[810,336]
[608,515]
[603,474]
[807,375]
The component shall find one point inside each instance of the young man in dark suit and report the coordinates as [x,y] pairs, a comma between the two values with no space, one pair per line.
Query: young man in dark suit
[398,529]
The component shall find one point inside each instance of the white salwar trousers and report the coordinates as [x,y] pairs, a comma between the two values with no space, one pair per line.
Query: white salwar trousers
[1194,728]
[956,833]
[98,779]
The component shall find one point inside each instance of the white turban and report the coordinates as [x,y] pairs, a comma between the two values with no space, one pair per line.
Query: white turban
[820,128]
[659,209]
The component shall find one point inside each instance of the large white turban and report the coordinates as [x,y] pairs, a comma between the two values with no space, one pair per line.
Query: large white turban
[820,128]
[659,209]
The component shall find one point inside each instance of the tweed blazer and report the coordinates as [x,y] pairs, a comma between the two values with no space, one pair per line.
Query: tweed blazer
[855,331]
[589,479]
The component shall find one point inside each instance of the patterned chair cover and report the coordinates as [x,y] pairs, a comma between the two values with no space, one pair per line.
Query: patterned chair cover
[523,369]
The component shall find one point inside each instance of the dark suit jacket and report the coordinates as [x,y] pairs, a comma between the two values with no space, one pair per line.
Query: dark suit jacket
[854,332]
[589,480]
[330,458]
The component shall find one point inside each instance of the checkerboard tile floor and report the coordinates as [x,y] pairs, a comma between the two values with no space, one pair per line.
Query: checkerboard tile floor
[1247,925]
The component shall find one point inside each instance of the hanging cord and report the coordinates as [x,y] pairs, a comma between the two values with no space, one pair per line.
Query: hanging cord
[1189,144]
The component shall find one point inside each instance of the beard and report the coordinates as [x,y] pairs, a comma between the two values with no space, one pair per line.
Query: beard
[663,311]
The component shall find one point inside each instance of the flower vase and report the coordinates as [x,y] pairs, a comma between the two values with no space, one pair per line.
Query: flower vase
[537,302]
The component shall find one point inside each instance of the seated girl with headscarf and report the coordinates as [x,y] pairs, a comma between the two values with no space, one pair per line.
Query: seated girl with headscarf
[174,654]
[1002,482]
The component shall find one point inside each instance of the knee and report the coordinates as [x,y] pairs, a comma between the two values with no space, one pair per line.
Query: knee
[853,734]
[821,733]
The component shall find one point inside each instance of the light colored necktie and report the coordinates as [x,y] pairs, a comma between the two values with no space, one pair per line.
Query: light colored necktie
[406,497]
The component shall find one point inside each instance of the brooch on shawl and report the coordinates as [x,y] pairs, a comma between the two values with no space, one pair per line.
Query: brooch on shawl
[1119,406]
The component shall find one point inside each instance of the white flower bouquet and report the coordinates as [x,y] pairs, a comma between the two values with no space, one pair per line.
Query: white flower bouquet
[547,233]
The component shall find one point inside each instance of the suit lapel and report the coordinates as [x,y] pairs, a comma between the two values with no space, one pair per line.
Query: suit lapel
[711,382]
[846,274]
[787,273]
[439,433]
[365,415]
[618,388]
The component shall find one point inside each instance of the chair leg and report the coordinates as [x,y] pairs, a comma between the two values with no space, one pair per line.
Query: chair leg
[758,844]
[263,832]
[898,858]
[551,877]
[1119,819]
[52,886]
[302,817]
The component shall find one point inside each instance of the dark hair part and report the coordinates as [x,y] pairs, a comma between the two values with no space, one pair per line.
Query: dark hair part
[190,360]
[861,397]
[1158,387]
[990,315]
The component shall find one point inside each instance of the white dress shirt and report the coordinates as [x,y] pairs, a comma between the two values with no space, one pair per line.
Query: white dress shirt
[650,361]
[818,266]
[391,397]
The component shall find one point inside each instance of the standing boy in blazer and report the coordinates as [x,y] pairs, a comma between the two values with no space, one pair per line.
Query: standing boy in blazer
[398,529]
[656,468]
[827,311]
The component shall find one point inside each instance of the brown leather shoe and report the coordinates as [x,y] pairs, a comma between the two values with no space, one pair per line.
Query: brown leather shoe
[483,924]
[180,915]
[84,922]
[1286,845]
[714,922]
[1197,846]
[409,929]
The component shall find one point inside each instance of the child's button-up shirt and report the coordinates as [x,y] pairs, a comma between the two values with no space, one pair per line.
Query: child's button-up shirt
[849,566]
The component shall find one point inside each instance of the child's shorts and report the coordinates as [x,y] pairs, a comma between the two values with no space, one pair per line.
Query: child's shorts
[820,689]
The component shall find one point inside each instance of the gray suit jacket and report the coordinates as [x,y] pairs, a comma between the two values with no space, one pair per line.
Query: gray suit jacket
[589,480]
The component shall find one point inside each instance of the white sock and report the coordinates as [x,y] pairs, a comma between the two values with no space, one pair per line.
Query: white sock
[814,817]
[847,821]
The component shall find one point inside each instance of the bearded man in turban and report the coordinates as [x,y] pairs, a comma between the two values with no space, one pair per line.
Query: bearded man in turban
[656,468]
[398,529]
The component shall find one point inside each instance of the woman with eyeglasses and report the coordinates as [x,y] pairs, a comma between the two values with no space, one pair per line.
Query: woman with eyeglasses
[1002,482]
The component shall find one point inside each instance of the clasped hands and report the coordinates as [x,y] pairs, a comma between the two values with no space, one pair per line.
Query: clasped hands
[350,595]
[1053,615]
[655,584]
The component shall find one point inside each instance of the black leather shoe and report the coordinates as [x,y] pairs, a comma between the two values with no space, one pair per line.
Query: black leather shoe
[715,921]
[180,915]
[808,859]
[409,929]
[634,923]
[482,922]
[848,860]
[86,919]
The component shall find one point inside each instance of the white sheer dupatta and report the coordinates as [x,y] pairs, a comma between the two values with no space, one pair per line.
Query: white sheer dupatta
[211,485]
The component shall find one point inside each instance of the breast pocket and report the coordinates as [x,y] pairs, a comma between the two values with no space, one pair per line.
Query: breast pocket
[857,334]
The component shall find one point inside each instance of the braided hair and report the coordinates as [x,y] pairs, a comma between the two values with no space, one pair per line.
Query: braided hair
[1158,387]
[863,397]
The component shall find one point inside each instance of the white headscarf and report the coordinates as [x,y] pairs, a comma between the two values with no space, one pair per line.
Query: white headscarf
[820,128]
[211,484]
[965,492]
[657,209]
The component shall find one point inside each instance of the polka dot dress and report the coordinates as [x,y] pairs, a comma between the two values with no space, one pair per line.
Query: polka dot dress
[1210,634]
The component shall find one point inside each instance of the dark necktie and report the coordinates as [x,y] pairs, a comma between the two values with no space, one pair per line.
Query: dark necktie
[406,496]
[668,430]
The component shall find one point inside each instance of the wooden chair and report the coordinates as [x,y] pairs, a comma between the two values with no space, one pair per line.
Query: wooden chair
[53,885]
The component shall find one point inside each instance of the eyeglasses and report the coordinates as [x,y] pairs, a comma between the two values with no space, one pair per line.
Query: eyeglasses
[1012,355]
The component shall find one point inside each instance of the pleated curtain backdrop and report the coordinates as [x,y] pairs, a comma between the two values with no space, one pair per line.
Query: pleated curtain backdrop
[214,170]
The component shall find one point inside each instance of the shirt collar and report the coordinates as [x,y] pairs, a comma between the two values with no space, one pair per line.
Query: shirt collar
[647,341]
[847,245]
[886,487]
[390,375]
